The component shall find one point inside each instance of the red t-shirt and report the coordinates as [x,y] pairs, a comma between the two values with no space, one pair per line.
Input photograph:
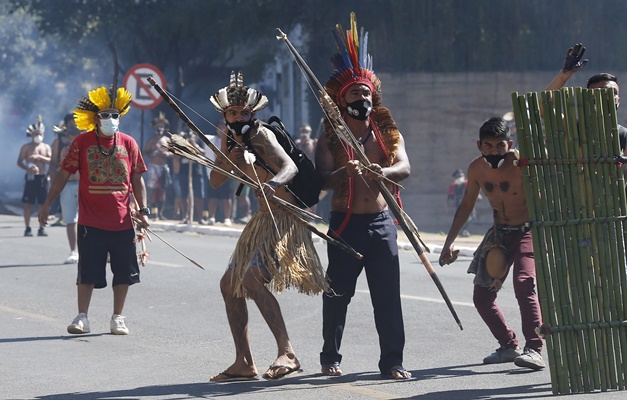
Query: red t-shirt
[104,191]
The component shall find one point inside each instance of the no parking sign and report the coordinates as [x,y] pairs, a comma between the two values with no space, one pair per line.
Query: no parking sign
[145,97]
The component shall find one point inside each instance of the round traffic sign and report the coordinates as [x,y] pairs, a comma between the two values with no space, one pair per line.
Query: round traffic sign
[145,97]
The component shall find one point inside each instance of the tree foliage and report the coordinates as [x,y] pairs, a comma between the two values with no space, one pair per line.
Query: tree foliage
[196,43]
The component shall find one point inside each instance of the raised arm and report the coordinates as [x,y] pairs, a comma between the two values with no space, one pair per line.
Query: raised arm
[572,63]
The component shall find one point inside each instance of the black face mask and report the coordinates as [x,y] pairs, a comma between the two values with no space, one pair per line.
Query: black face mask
[359,109]
[240,128]
[495,160]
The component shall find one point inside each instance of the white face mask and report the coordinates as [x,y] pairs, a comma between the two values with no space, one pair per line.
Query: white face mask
[38,139]
[109,126]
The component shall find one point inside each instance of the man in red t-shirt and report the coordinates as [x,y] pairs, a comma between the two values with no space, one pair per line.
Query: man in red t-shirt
[110,166]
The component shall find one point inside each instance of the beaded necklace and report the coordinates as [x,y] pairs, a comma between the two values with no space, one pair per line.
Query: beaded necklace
[112,150]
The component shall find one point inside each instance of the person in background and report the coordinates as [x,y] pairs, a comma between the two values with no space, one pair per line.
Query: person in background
[191,181]
[574,62]
[66,132]
[224,194]
[159,176]
[34,157]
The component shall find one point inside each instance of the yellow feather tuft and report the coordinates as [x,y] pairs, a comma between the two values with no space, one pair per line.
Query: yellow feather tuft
[85,120]
[122,100]
[354,37]
[100,97]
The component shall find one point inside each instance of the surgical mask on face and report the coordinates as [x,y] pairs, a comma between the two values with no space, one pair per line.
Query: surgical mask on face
[109,126]
[495,160]
[359,109]
[240,128]
[38,139]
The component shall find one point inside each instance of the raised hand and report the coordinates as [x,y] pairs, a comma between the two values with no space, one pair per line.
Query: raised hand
[573,60]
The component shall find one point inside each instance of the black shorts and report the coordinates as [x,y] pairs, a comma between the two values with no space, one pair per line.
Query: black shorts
[93,246]
[35,190]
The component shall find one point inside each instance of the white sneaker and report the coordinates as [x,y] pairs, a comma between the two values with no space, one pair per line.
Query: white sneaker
[79,325]
[72,259]
[503,355]
[227,222]
[530,359]
[118,327]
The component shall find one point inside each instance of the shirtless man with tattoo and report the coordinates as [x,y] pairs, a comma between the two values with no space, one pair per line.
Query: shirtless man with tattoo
[509,239]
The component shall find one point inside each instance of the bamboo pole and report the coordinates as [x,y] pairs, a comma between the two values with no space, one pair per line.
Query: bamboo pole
[530,183]
[585,197]
[578,362]
[580,239]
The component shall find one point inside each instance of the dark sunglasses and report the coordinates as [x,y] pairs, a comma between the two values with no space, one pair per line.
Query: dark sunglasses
[107,115]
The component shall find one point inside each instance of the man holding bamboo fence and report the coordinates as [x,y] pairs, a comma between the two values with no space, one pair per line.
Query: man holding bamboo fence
[508,243]
[573,63]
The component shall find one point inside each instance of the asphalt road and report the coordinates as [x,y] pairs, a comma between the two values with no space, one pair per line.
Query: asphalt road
[180,337]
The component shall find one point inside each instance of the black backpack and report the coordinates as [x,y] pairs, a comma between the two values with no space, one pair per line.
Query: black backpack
[307,183]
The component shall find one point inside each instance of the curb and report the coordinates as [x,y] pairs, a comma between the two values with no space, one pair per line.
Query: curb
[437,249]
[235,232]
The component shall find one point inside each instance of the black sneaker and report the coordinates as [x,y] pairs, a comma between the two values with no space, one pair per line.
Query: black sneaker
[41,232]
[28,232]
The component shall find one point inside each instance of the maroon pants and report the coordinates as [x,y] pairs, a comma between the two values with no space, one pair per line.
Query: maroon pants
[520,253]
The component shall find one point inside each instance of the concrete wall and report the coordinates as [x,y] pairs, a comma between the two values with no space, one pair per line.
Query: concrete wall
[439,116]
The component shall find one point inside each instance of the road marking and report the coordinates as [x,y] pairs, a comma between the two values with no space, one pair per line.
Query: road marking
[373,394]
[163,264]
[27,314]
[441,301]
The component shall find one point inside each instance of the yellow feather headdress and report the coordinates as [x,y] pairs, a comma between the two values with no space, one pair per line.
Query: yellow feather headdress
[100,99]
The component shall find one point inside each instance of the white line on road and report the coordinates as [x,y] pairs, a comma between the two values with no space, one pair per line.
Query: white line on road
[163,264]
[441,301]
[23,313]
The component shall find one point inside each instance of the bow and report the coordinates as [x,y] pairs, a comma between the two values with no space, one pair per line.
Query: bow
[178,147]
[340,127]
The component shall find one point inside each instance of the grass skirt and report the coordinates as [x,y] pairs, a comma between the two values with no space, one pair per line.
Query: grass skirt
[289,255]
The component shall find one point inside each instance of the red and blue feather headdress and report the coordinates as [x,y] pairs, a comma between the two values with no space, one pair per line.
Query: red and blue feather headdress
[352,64]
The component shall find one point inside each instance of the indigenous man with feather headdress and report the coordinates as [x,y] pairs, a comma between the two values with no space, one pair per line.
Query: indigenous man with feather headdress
[34,158]
[358,210]
[273,252]
[110,165]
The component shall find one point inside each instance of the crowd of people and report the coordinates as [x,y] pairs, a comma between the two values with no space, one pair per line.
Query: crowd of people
[98,172]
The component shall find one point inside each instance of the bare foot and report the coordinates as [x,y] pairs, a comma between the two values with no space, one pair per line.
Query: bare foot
[282,366]
[331,369]
[398,372]
[235,370]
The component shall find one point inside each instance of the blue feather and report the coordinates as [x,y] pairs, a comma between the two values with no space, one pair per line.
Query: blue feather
[343,53]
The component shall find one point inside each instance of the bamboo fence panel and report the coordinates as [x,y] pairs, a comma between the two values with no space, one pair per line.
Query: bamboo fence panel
[575,192]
